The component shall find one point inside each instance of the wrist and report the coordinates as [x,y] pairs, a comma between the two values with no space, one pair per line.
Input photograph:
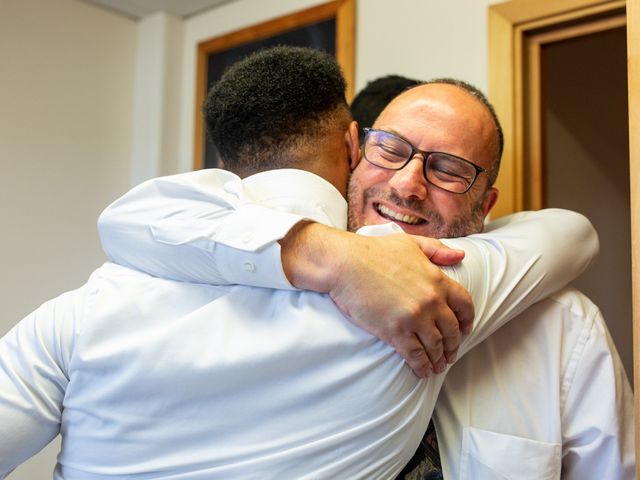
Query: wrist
[311,256]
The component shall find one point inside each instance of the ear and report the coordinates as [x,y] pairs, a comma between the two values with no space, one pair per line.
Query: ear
[353,144]
[490,199]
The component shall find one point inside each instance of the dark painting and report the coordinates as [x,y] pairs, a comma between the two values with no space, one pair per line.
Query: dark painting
[320,35]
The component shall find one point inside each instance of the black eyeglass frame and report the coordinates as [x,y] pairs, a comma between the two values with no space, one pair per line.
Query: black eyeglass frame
[425,159]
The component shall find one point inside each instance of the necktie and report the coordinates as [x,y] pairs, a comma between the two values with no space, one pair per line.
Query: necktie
[425,463]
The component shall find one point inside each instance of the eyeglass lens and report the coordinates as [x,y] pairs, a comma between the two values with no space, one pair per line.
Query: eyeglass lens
[445,171]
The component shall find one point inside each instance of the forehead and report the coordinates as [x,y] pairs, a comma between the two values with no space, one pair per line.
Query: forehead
[441,117]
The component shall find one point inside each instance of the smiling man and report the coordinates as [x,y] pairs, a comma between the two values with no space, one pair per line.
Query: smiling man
[528,365]
[428,165]
[459,158]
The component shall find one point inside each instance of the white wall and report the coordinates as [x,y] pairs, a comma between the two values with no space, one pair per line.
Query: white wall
[422,39]
[66,93]
[156,113]
[91,102]
[418,38]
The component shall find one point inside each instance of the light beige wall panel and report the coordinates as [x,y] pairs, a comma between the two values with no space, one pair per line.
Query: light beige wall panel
[66,91]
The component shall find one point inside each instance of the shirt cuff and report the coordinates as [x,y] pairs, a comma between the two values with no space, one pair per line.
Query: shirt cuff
[247,249]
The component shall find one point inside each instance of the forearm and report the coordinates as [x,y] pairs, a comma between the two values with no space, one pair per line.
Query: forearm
[320,258]
[305,255]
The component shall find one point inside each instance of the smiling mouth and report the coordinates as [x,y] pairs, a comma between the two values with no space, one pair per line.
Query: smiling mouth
[397,217]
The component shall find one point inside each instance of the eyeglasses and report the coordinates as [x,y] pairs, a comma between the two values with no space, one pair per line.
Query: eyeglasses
[443,170]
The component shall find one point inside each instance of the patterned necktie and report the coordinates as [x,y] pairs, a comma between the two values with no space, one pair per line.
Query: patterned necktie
[425,463]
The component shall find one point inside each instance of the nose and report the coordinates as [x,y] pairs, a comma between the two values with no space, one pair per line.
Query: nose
[409,181]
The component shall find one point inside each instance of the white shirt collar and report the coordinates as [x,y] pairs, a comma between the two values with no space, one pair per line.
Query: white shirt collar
[300,192]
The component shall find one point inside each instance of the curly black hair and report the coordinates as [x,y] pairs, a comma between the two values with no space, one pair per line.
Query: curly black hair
[268,103]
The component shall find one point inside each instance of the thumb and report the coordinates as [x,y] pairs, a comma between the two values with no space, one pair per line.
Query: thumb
[438,252]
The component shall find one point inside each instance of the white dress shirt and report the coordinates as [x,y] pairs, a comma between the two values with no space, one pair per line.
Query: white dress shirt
[152,378]
[545,397]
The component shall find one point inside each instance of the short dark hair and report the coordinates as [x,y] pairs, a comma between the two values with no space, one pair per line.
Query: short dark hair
[266,104]
[477,93]
[375,96]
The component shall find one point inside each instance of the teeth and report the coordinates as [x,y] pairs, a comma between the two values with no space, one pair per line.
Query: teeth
[397,216]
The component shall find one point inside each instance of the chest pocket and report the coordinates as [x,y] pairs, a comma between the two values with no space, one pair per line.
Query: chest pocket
[494,456]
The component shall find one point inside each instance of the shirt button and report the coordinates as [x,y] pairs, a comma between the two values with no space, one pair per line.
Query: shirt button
[249,267]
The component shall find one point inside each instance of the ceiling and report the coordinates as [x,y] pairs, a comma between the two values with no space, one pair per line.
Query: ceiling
[138,9]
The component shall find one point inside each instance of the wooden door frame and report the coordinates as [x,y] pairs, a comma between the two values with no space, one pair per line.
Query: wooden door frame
[633,71]
[534,197]
[509,25]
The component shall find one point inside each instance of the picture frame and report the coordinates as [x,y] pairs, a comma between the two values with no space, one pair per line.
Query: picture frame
[329,26]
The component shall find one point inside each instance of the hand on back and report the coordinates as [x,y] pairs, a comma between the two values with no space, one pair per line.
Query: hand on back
[391,286]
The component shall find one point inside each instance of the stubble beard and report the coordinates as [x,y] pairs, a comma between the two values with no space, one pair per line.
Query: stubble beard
[460,226]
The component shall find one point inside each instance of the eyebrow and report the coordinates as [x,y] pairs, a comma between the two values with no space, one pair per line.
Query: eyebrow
[395,132]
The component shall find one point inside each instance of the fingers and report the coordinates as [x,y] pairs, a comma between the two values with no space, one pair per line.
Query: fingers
[437,317]
[451,356]
[449,327]
[443,341]
[460,322]
[393,291]
[428,351]
[446,256]
[413,351]
[461,304]
[438,252]
[449,321]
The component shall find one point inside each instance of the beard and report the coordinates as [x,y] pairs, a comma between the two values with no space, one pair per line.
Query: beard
[471,221]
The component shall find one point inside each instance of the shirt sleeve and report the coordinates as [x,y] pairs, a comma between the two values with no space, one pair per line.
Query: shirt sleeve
[519,260]
[200,227]
[197,227]
[34,360]
[597,409]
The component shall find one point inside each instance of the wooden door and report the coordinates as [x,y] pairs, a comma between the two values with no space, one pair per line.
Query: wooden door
[517,30]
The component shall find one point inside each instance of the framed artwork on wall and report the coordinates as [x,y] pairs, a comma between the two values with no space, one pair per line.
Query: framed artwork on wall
[329,27]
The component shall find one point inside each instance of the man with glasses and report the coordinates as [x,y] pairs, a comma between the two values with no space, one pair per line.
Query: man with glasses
[445,171]
[430,163]
[528,401]
[529,365]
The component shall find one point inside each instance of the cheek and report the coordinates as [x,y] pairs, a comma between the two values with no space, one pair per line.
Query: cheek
[366,176]
[355,197]
[464,211]
[448,204]
[461,202]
